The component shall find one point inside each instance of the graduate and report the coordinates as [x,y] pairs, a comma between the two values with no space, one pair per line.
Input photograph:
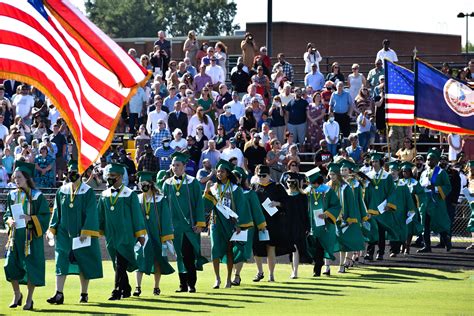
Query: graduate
[123,224]
[183,194]
[298,221]
[348,230]
[434,212]
[377,190]
[153,258]
[414,227]
[403,201]
[324,208]
[348,173]
[24,260]
[280,242]
[75,215]
[470,186]
[257,218]
[226,193]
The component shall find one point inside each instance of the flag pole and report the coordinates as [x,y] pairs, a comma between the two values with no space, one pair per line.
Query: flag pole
[415,51]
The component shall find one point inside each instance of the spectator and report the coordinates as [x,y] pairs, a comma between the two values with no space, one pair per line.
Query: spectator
[240,80]
[44,173]
[373,77]
[262,83]
[278,80]
[171,75]
[446,69]
[296,114]
[363,101]
[228,121]
[159,60]
[25,153]
[211,153]
[206,102]
[364,126]
[178,119]
[170,100]
[311,57]
[182,87]
[277,114]
[8,161]
[240,62]
[248,121]
[407,152]
[223,98]
[249,48]
[178,143]
[135,108]
[323,156]
[386,52]
[316,114]
[455,142]
[326,94]
[38,128]
[192,149]
[341,105]
[292,154]
[398,135]
[331,133]
[232,151]
[216,73]
[206,173]
[354,150]
[61,143]
[23,104]
[22,127]
[285,66]
[201,79]
[275,159]
[163,42]
[145,62]
[141,140]
[335,75]
[221,55]
[314,78]
[201,119]
[201,138]
[380,108]
[251,94]
[264,134]
[286,96]
[289,137]
[470,71]
[3,129]
[220,138]
[189,104]
[191,47]
[3,176]
[257,109]
[159,134]
[190,68]
[236,107]
[163,154]
[254,154]
[6,107]
[265,58]
[52,148]
[201,53]
[355,81]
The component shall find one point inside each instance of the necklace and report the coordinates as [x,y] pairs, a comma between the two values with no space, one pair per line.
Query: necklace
[177,186]
[221,193]
[147,206]
[73,195]
[114,201]
[316,196]
[377,181]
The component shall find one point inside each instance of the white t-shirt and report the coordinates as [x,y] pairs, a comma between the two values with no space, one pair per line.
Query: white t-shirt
[237,108]
[153,118]
[3,131]
[23,104]
[216,73]
[228,153]
[53,116]
[182,143]
[389,54]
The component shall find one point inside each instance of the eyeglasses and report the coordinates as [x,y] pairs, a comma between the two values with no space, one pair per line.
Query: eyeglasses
[262,176]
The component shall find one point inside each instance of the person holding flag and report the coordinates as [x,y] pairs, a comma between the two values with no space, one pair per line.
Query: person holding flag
[75,217]
[27,216]
[183,194]
[153,257]
[434,213]
[122,224]
[229,216]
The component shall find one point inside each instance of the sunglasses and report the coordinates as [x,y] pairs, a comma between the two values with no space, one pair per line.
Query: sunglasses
[262,175]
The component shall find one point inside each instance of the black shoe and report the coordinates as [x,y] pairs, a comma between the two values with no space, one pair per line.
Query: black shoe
[327,271]
[317,271]
[192,289]
[127,292]
[28,307]
[236,280]
[424,250]
[84,298]
[156,291]
[17,303]
[449,246]
[57,298]
[379,257]
[369,257]
[181,289]
[116,295]
[258,277]
[138,291]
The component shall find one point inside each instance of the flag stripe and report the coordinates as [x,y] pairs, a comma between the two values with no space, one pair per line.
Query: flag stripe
[443,127]
[400,101]
[399,96]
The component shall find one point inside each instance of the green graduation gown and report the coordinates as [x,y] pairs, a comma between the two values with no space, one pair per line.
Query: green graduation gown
[377,190]
[470,226]
[122,222]
[435,204]
[326,234]
[415,228]
[349,233]
[258,220]
[24,263]
[69,222]
[187,210]
[159,230]
[222,228]
[403,201]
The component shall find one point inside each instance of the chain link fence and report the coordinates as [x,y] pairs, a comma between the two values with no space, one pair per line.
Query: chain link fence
[461,218]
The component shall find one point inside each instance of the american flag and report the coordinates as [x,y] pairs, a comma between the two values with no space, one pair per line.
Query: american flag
[399,95]
[50,44]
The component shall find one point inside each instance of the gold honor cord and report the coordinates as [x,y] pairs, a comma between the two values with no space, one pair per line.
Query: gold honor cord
[112,203]
[73,195]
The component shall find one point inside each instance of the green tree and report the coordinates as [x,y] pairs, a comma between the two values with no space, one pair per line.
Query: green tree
[143,18]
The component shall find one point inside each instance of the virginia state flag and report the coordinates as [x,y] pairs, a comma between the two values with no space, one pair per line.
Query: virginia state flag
[442,103]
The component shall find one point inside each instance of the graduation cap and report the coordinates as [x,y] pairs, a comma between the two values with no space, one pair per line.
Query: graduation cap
[25,167]
[434,153]
[313,174]
[263,170]
[72,165]
[348,164]
[376,156]
[394,165]
[146,176]
[224,164]
[117,168]
[240,172]
[406,165]
[334,167]
[179,156]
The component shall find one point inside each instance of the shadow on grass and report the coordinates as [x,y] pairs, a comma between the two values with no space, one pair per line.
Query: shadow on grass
[68,311]
[417,274]
[154,308]
[194,303]
[210,298]
[297,288]
[331,284]
[381,277]
[263,296]
[313,292]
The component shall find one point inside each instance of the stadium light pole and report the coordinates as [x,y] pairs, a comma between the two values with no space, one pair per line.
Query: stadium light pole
[269,27]
[466,15]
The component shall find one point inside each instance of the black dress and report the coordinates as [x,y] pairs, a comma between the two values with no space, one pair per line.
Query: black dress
[298,222]
[277,225]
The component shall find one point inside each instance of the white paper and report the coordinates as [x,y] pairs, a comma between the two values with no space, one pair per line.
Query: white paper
[381,206]
[242,236]
[319,221]
[366,225]
[467,195]
[138,245]
[410,217]
[344,229]
[17,213]
[263,235]
[77,243]
[170,247]
[226,211]
[271,210]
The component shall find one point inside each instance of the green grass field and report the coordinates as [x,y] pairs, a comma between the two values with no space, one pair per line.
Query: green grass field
[364,290]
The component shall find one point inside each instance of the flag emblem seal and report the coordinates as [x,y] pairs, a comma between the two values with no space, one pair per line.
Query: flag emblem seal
[459,97]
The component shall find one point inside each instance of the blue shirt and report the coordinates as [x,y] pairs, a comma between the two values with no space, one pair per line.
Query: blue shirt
[135,104]
[297,111]
[157,137]
[355,154]
[192,71]
[340,103]
[7,162]
[169,102]
[228,122]
[213,157]
[164,156]
[316,81]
